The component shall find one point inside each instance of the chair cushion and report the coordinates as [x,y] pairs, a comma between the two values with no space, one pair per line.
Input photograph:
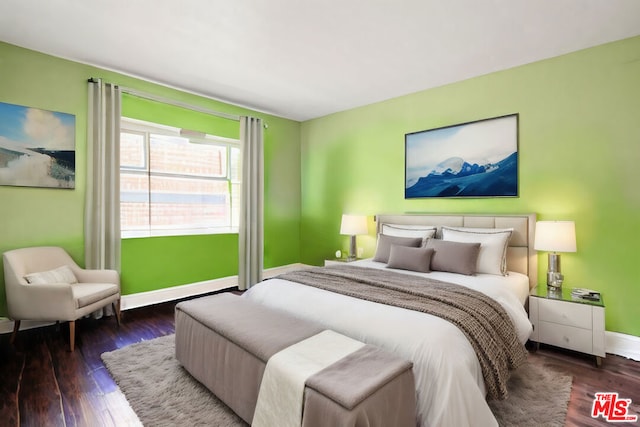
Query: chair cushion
[88,293]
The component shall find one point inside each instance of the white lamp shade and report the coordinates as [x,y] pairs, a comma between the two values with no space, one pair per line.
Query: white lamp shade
[555,236]
[353,225]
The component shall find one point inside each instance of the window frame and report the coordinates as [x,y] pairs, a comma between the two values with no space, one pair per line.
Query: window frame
[145,128]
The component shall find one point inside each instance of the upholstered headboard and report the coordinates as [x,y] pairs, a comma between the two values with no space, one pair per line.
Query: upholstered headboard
[521,257]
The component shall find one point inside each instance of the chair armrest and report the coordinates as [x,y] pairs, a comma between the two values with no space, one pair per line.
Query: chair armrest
[98,276]
[53,301]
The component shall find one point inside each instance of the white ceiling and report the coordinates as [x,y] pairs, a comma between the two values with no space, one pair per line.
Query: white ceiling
[305,59]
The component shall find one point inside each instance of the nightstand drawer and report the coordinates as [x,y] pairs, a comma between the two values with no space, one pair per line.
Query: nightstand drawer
[566,337]
[560,312]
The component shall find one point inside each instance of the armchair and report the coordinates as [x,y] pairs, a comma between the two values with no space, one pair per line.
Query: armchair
[40,287]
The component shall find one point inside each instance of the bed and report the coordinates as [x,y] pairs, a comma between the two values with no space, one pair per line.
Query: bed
[450,387]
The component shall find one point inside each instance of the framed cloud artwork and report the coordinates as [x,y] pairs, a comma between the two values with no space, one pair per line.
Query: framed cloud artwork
[37,147]
[475,159]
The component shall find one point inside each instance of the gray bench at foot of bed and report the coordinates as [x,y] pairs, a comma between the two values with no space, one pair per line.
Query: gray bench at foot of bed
[225,341]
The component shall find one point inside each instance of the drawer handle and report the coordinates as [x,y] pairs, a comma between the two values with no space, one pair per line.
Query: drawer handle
[566,339]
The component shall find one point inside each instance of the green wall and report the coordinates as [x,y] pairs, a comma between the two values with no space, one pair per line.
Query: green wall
[579,150]
[35,216]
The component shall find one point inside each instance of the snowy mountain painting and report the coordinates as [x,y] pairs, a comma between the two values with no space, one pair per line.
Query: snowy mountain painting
[37,147]
[477,159]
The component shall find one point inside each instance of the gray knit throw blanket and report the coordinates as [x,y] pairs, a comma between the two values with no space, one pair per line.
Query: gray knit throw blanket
[485,323]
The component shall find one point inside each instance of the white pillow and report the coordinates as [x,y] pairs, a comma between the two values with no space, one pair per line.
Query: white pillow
[401,230]
[58,275]
[493,246]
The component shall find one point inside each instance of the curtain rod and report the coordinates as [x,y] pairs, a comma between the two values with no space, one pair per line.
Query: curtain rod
[175,103]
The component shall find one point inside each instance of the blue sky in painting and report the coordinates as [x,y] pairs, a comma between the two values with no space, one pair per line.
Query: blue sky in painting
[26,127]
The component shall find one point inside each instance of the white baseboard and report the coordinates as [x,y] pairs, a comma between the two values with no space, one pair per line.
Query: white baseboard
[173,293]
[142,299]
[271,272]
[623,345]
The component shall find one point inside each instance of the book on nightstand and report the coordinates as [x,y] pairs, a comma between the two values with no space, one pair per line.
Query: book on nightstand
[586,294]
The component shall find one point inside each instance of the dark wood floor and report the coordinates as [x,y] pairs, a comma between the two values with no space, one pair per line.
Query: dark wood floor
[43,384]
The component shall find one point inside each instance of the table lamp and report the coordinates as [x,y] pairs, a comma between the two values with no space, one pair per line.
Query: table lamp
[353,225]
[554,237]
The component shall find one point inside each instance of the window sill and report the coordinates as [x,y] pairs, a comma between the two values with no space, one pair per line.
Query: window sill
[138,234]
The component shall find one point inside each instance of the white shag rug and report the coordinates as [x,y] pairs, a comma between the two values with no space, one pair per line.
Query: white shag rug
[162,393]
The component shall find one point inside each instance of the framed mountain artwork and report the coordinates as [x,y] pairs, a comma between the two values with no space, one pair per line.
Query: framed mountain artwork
[37,147]
[474,159]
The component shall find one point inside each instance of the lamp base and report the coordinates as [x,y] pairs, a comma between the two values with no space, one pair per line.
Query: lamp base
[554,277]
[554,280]
[352,249]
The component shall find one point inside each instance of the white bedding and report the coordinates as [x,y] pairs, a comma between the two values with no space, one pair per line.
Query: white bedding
[449,386]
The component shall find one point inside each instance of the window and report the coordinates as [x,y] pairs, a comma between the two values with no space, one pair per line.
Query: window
[177,182]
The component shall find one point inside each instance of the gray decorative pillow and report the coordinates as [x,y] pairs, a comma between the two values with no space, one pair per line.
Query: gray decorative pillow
[384,245]
[409,258]
[454,257]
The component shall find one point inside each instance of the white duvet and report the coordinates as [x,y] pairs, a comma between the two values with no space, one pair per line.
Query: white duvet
[449,386]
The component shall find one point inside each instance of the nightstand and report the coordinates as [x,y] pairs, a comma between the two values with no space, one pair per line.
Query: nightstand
[337,261]
[568,322]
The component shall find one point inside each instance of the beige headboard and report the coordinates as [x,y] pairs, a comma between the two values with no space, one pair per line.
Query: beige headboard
[521,257]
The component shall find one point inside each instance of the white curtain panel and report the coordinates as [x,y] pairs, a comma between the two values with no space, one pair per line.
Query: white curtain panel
[102,212]
[250,260]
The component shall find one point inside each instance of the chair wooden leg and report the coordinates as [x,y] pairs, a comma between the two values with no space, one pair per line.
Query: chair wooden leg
[16,327]
[72,335]
[116,310]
